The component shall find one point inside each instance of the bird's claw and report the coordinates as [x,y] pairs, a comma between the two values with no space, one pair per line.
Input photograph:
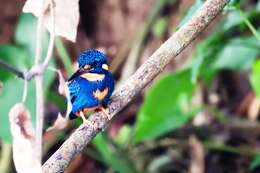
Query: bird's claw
[88,123]
[85,121]
[108,116]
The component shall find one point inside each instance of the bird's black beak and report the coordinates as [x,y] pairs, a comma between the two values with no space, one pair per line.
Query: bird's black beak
[79,72]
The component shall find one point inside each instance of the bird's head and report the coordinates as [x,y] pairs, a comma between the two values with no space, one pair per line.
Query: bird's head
[93,61]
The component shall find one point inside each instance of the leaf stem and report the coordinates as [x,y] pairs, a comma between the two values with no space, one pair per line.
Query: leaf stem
[25,91]
[12,69]
[52,36]
[249,24]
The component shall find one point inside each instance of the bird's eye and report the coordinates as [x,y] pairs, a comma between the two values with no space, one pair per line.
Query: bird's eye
[87,67]
[105,66]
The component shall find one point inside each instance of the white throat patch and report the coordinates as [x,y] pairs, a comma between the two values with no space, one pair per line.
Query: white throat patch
[93,76]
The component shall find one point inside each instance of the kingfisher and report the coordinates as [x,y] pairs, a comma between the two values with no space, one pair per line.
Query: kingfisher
[91,86]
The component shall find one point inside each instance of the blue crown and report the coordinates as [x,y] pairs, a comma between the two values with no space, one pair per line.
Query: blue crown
[91,57]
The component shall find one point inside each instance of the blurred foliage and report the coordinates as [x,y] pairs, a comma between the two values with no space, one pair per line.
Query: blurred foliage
[114,158]
[160,26]
[222,50]
[161,110]
[236,54]
[255,77]
[21,56]
[122,137]
[166,106]
[255,163]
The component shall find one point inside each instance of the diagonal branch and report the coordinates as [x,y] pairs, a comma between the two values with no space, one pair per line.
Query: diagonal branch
[125,93]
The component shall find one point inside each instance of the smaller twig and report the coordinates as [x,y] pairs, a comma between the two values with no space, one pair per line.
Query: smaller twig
[249,24]
[197,164]
[52,36]
[12,69]
[38,49]
[39,114]
[183,143]
[241,150]
[25,91]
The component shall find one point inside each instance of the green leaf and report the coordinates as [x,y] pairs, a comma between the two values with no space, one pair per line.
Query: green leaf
[237,54]
[25,34]
[232,19]
[166,106]
[234,54]
[206,49]
[11,94]
[160,163]
[255,163]
[258,6]
[112,157]
[191,12]
[12,90]
[234,3]
[14,56]
[255,77]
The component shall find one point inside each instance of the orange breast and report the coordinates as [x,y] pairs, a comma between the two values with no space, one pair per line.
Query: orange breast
[87,110]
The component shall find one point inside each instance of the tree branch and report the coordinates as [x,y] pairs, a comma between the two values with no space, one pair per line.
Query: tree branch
[125,93]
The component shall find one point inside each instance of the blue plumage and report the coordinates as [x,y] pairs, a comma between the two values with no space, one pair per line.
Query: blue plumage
[91,57]
[91,86]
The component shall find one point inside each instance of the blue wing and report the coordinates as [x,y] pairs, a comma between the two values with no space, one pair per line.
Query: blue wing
[109,83]
[74,89]
[81,93]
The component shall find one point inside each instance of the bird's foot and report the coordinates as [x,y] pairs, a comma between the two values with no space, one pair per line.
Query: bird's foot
[85,121]
[108,116]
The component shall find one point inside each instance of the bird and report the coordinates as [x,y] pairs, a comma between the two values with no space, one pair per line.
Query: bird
[91,86]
